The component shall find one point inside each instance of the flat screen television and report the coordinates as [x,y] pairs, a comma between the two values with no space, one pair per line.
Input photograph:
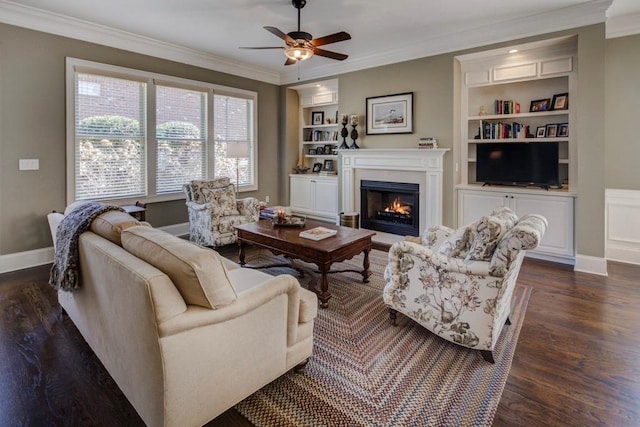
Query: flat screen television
[511,163]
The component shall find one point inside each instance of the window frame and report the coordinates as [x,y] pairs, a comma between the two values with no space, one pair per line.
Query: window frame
[74,65]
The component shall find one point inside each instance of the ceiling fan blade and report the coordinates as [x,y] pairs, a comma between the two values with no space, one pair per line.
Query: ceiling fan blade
[261,47]
[329,54]
[278,33]
[332,38]
[290,61]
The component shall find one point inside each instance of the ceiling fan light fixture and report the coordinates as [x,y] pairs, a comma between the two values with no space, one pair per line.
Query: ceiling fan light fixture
[298,53]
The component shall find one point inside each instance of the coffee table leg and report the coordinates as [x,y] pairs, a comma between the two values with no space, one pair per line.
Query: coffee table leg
[366,273]
[241,252]
[324,296]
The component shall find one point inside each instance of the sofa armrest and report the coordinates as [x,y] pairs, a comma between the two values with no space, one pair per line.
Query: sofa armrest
[251,299]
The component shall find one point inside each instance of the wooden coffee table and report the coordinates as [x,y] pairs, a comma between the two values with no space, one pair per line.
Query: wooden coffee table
[286,241]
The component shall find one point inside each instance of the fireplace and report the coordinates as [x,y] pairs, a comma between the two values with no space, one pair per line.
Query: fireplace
[391,207]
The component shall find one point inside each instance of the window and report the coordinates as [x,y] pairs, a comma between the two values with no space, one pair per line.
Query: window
[135,135]
[232,125]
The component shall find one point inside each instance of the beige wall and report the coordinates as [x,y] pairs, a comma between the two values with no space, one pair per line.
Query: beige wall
[622,106]
[431,81]
[32,125]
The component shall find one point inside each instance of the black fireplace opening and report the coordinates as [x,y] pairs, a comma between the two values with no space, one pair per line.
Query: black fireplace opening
[391,207]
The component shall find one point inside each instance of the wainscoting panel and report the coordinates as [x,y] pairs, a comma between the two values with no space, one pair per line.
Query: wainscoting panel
[622,225]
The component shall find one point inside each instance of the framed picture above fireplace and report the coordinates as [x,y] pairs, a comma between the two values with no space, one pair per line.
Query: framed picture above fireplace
[390,114]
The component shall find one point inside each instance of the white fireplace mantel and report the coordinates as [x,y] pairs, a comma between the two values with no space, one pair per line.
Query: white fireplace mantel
[423,166]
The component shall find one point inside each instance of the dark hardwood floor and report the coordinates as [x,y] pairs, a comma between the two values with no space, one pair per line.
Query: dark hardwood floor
[577,361]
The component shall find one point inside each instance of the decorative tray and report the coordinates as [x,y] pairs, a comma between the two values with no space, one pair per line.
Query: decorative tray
[290,221]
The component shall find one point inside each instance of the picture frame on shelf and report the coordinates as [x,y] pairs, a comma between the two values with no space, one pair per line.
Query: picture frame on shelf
[328,149]
[560,101]
[389,114]
[317,117]
[552,131]
[541,132]
[319,150]
[563,130]
[540,105]
[311,152]
[317,167]
[328,165]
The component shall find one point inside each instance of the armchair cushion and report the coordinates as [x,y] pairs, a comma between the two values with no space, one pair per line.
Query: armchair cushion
[434,236]
[194,193]
[198,273]
[223,200]
[488,232]
[525,235]
[457,244]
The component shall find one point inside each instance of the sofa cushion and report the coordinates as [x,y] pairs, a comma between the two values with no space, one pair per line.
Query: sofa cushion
[198,273]
[111,224]
[223,200]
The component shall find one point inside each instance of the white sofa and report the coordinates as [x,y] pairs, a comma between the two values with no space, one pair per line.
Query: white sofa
[178,362]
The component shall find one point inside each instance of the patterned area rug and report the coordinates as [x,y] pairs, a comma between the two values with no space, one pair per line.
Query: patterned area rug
[366,372]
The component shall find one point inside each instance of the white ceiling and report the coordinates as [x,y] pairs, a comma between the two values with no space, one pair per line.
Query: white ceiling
[209,32]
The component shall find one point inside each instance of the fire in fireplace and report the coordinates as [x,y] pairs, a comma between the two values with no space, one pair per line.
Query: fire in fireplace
[392,207]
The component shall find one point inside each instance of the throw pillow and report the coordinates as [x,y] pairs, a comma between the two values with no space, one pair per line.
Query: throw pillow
[489,231]
[457,244]
[198,273]
[223,200]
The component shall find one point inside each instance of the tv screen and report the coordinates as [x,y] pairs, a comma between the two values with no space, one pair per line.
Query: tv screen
[512,163]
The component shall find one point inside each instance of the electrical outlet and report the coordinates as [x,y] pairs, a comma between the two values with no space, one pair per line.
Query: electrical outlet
[29,164]
[266,199]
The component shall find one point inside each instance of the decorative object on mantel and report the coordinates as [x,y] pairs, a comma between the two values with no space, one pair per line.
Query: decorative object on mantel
[344,132]
[427,142]
[390,114]
[354,132]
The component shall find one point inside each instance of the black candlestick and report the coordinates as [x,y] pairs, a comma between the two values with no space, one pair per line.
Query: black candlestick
[344,133]
[354,136]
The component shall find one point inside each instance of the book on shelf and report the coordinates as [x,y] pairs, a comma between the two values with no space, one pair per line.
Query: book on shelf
[327,173]
[318,233]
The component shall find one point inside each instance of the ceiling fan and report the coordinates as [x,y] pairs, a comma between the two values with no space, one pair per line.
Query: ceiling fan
[300,45]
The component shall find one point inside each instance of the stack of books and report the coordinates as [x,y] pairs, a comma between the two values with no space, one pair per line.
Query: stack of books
[271,212]
[318,233]
[327,173]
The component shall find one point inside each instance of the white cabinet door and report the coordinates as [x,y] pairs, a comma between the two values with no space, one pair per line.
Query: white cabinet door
[300,194]
[326,198]
[474,204]
[558,239]
[557,242]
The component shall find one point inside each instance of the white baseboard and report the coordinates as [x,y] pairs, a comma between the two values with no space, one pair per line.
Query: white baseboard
[591,265]
[28,259]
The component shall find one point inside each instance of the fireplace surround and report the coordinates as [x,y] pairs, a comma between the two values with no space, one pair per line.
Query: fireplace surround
[423,167]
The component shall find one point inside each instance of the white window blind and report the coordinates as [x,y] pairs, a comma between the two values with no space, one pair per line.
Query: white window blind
[233,122]
[181,135]
[110,146]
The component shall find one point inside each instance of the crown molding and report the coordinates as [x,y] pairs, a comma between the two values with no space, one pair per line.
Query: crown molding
[623,25]
[36,19]
[571,17]
[484,35]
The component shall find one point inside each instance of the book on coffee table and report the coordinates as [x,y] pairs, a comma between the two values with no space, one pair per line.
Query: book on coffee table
[318,233]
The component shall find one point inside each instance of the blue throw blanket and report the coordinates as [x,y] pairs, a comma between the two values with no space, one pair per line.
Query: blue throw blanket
[64,272]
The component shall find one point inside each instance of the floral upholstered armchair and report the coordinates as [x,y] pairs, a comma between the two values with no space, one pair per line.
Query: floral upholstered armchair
[214,210]
[458,283]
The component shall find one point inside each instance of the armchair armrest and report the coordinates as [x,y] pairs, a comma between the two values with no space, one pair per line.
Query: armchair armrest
[249,206]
